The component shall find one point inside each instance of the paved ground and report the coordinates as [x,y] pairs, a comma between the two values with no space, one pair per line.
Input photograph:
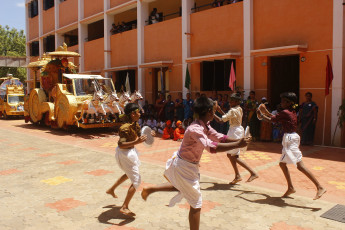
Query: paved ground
[57,180]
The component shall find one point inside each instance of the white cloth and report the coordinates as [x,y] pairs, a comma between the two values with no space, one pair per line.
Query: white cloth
[129,162]
[184,176]
[236,133]
[291,154]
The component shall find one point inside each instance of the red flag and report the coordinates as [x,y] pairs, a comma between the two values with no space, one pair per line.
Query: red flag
[329,75]
[232,78]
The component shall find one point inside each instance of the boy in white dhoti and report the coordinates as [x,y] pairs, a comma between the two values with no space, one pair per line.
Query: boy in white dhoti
[236,132]
[127,156]
[291,153]
[182,170]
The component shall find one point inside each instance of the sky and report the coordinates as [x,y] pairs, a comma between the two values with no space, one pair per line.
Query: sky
[12,13]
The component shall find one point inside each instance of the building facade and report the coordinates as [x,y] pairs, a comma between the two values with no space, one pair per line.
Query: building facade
[274,46]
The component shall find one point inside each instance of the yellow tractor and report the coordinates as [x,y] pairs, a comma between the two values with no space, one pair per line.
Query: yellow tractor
[11,97]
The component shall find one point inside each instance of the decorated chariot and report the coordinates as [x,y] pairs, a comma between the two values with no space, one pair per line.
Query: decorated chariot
[64,98]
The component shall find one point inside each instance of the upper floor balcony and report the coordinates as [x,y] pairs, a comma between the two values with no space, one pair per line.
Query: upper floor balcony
[68,12]
[48,20]
[92,7]
[217,30]
[114,3]
[33,28]
[94,51]
[163,41]
[124,48]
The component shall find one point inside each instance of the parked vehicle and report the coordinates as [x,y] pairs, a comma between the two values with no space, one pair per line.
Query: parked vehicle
[11,97]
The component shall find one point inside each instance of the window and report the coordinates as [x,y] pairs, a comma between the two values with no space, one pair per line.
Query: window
[34,49]
[49,43]
[47,4]
[33,8]
[215,75]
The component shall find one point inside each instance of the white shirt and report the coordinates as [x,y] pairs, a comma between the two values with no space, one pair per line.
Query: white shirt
[234,116]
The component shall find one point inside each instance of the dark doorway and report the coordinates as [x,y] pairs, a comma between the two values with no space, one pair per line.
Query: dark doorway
[160,82]
[283,77]
[215,75]
[120,80]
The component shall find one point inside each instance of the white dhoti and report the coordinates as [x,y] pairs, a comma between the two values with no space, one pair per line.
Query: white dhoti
[184,176]
[129,162]
[236,133]
[291,153]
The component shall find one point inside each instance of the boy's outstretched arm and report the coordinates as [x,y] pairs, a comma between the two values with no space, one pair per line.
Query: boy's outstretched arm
[131,144]
[223,147]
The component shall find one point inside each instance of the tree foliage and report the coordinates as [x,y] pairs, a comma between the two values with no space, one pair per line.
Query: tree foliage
[12,43]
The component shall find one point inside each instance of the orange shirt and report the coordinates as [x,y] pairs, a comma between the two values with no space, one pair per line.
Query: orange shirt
[178,133]
[167,132]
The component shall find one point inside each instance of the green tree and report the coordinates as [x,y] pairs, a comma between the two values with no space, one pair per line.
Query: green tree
[12,43]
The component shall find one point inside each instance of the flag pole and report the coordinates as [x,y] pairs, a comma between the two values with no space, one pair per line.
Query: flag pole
[324,122]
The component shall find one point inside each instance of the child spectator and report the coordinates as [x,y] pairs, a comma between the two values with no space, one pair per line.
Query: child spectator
[188,106]
[179,107]
[169,108]
[168,132]
[149,122]
[265,127]
[160,126]
[153,124]
[179,131]
[173,125]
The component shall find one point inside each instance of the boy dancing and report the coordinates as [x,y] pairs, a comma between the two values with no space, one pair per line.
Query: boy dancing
[127,156]
[291,153]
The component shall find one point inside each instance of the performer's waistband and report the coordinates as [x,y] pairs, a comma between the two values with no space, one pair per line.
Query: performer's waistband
[195,163]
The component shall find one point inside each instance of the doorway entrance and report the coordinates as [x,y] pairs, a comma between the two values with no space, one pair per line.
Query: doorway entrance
[283,77]
[120,80]
[160,82]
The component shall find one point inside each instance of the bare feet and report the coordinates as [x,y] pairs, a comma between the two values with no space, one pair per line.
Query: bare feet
[252,177]
[236,180]
[289,192]
[319,193]
[111,192]
[127,212]
[145,194]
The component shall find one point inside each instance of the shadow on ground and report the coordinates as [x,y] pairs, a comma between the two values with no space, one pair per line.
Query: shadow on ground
[267,199]
[112,213]
[276,201]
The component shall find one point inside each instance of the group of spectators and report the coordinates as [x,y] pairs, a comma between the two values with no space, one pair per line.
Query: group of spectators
[119,28]
[218,3]
[168,115]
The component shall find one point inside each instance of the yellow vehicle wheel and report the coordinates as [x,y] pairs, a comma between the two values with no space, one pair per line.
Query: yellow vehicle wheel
[37,96]
[62,112]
